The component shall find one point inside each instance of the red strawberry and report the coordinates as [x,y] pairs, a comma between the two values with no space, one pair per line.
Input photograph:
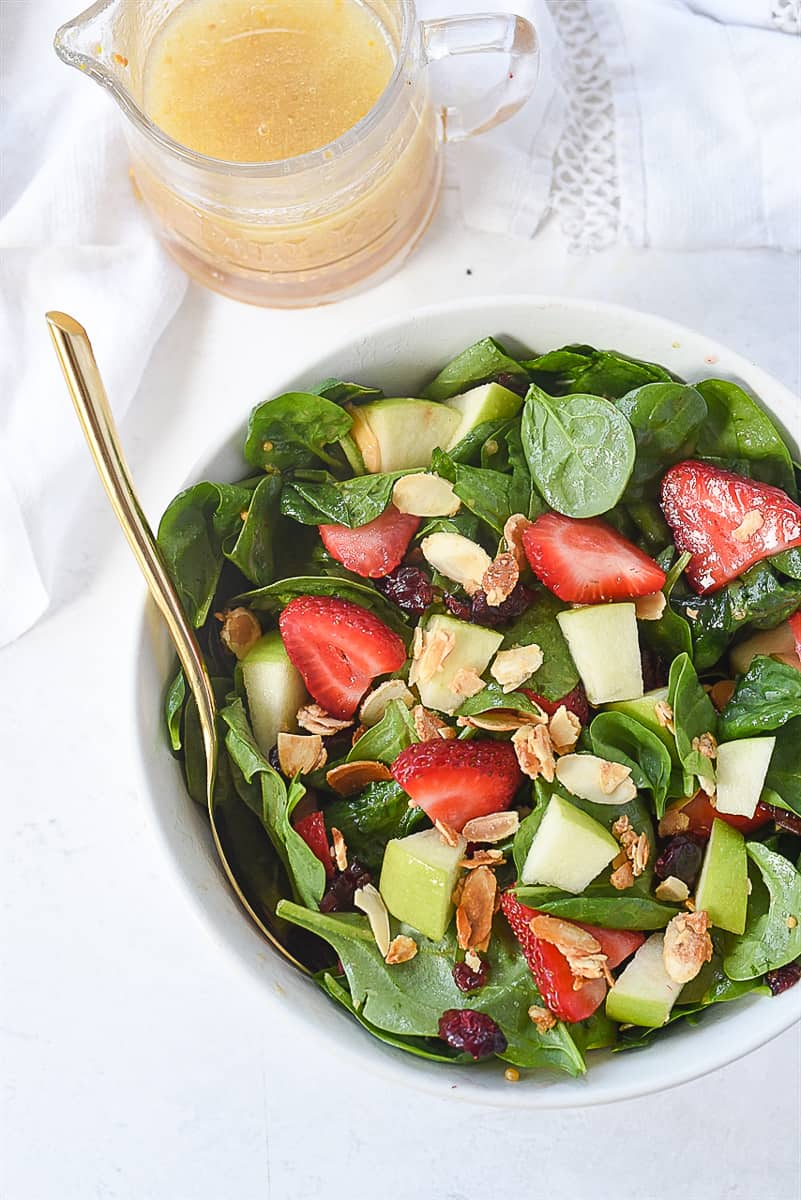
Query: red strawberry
[374,549]
[312,829]
[701,814]
[727,522]
[795,628]
[587,561]
[550,968]
[575,702]
[454,781]
[616,944]
[339,649]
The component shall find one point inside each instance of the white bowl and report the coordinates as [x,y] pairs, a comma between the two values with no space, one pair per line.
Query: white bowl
[400,355]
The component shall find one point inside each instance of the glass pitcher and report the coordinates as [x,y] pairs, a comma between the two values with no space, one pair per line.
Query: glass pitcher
[315,227]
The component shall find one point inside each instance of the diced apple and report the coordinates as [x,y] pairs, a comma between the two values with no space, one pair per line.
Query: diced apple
[569,848]
[644,993]
[722,888]
[603,642]
[774,643]
[643,709]
[473,647]
[489,402]
[275,690]
[401,433]
[585,776]
[740,770]
[418,876]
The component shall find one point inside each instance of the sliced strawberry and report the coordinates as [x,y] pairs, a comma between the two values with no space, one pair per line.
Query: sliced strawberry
[701,814]
[312,829]
[374,549]
[795,628]
[725,521]
[587,561]
[550,968]
[339,649]
[454,781]
[616,944]
[575,702]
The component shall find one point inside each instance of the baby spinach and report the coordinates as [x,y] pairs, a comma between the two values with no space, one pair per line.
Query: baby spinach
[485,493]
[580,451]
[600,904]
[665,419]
[621,739]
[253,550]
[788,562]
[294,430]
[769,941]
[174,701]
[597,372]
[693,715]
[558,675]
[526,830]
[277,595]
[340,392]
[766,697]
[651,527]
[737,428]
[478,364]
[350,502]
[370,819]
[471,447]
[670,636]
[384,741]
[784,772]
[493,696]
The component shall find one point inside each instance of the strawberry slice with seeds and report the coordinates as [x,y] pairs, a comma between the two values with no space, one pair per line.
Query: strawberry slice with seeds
[725,521]
[616,944]
[312,829]
[454,781]
[339,649]
[375,549]
[795,628]
[550,968]
[574,701]
[587,561]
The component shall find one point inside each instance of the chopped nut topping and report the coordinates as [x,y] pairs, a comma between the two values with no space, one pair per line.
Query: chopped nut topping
[435,648]
[721,693]
[425,496]
[301,753]
[510,668]
[672,890]
[401,950]
[580,948]
[513,536]
[706,745]
[500,579]
[543,1018]
[564,728]
[687,946]
[650,607]
[316,720]
[368,900]
[466,683]
[428,727]
[457,558]
[448,834]
[664,715]
[623,877]
[532,744]
[339,849]
[473,960]
[751,522]
[674,821]
[483,858]
[620,826]
[612,775]
[375,702]
[495,827]
[240,630]
[640,853]
[351,777]
[475,910]
[358,732]
[502,720]
[635,848]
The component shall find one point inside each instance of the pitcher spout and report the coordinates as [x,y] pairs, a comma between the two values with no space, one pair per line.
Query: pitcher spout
[104,42]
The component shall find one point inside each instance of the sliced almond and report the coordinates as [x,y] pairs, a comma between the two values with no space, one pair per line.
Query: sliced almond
[401,949]
[594,779]
[706,745]
[500,579]
[476,909]
[513,532]
[375,704]
[751,522]
[495,827]
[532,745]
[240,630]
[612,775]
[457,558]
[502,720]
[664,715]
[301,753]
[466,683]
[428,726]
[483,858]
[580,948]
[687,946]
[368,900]
[512,667]
[565,730]
[622,877]
[672,890]
[339,849]
[316,720]
[650,607]
[448,834]
[425,496]
[351,777]
[543,1018]
[434,647]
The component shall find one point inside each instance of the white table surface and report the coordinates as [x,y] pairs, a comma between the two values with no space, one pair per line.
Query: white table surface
[137,1062]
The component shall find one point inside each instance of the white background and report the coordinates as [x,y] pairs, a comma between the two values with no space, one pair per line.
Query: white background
[137,1062]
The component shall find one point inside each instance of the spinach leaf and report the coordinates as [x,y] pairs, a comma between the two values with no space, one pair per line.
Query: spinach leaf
[784,772]
[480,363]
[596,372]
[767,696]
[580,451]
[350,502]
[196,526]
[523,497]
[621,739]
[277,595]
[174,701]
[368,821]
[600,904]
[769,942]
[340,392]
[464,523]
[485,493]
[492,697]
[670,636]
[432,1049]
[693,715]
[525,832]
[558,675]
[384,742]
[665,419]
[294,430]
[653,529]
[472,445]
[788,562]
[737,428]
[252,552]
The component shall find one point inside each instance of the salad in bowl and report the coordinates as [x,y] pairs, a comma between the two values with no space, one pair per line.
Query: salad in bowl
[509,676]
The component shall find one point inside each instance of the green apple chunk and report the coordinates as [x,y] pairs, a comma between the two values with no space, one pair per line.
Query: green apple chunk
[473,647]
[643,709]
[722,888]
[418,876]
[602,639]
[740,770]
[774,643]
[643,993]
[274,688]
[401,433]
[569,848]
[490,402]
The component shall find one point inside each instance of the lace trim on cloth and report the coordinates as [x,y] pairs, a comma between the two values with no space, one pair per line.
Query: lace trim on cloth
[586,193]
[786,14]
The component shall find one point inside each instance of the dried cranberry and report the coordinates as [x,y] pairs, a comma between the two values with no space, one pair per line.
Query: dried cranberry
[339,893]
[475,1032]
[273,759]
[654,672]
[456,607]
[498,614]
[409,588]
[784,819]
[468,980]
[681,858]
[784,977]
[514,383]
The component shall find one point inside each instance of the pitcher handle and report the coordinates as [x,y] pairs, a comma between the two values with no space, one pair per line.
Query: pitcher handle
[483,33]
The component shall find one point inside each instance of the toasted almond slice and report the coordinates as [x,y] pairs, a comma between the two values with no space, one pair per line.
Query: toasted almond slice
[424,495]
[622,877]
[567,937]
[428,726]
[351,777]
[457,558]
[640,852]
[466,683]
[751,522]
[368,900]
[565,730]
[673,890]
[500,579]
[401,949]
[300,753]
[512,667]
[687,946]
[316,720]
[513,532]
[502,720]
[612,775]
[706,745]
[448,834]
[650,607]
[375,702]
[664,715]
[594,779]
[532,745]
[240,630]
[483,858]
[494,827]
[543,1018]
[435,646]
[339,849]
[476,909]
